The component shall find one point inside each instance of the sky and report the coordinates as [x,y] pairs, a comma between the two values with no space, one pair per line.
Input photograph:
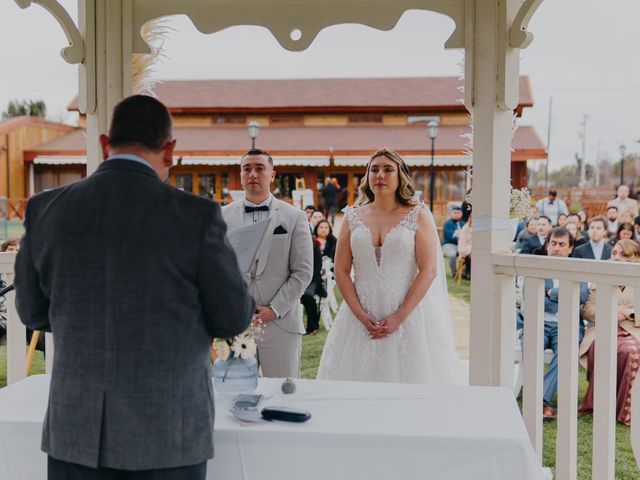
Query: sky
[585,55]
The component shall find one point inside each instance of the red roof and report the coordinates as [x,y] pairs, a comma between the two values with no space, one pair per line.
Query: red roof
[14,123]
[303,140]
[318,95]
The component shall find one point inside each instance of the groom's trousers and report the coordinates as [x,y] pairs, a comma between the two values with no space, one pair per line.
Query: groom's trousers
[59,470]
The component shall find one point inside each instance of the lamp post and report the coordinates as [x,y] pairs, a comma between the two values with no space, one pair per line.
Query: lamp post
[623,150]
[432,130]
[254,128]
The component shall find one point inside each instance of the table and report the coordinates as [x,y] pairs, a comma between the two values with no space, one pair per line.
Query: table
[358,431]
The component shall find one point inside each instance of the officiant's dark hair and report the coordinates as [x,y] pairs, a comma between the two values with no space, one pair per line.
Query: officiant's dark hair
[406,190]
[140,121]
[257,151]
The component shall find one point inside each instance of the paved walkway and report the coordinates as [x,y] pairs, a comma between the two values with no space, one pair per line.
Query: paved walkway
[460,319]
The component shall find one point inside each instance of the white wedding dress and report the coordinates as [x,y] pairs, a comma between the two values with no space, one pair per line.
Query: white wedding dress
[422,349]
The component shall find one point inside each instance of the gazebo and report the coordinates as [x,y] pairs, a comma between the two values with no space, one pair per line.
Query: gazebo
[491,33]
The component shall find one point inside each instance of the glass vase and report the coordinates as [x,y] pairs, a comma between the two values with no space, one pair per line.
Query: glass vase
[235,375]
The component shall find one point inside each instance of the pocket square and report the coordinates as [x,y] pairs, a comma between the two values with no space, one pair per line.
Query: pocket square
[280,230]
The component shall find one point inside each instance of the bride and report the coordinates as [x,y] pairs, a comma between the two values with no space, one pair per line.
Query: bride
[394,324]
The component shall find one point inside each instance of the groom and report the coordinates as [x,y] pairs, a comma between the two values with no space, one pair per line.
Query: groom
[283,266]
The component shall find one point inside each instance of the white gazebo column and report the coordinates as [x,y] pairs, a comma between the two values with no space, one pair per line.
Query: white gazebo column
[491,94]
[105,74]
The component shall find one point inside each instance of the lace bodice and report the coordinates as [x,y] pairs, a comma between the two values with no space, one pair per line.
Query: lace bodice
[382,280]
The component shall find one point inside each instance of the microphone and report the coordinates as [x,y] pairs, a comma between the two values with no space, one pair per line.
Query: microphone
[6,290]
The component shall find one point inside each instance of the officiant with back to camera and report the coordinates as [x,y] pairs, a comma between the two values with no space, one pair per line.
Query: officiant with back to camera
[282,269]
[103,266]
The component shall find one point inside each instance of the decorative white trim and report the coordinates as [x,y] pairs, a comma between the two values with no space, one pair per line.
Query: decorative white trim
[287,160]
[283,17]
[60,160]
[519,36]
[74,53]
[411,160]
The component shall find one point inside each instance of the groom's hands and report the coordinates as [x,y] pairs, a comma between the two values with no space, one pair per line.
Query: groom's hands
[263,314]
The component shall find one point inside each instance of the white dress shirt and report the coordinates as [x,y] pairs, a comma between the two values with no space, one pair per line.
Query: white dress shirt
[254,217]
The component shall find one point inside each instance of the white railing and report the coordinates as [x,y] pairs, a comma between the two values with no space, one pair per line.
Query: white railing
[16,331]
[607,276]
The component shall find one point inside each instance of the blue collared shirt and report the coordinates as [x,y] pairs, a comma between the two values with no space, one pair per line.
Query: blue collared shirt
[597,249]
[132,157]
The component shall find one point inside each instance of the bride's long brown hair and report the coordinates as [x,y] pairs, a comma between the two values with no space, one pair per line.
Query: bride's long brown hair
[406,190]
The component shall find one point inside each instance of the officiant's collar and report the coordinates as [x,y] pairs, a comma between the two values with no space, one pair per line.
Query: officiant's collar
[267,202]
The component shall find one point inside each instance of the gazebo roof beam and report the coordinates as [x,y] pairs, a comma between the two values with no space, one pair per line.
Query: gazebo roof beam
[74,53]
[283,17]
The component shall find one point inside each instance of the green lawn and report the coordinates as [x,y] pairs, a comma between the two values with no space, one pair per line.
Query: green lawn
[312,349]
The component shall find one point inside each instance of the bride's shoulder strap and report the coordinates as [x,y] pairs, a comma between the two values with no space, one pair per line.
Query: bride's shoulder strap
[411,220]
[352,217]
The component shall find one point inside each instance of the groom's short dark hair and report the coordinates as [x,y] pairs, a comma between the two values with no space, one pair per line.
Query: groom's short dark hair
[256,152]
[140,121]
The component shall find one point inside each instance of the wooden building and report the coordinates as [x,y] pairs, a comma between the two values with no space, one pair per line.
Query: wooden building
[17,135]
[314,128]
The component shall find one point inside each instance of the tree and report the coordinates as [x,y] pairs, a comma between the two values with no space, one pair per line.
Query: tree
[31,108]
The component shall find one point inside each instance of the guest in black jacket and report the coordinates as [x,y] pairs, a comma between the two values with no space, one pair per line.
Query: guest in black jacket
[324,234]
[596,248]
[574,230]
[316,287]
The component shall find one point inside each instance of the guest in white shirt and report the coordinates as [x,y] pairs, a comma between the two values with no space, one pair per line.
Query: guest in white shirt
[624,203]
[612,216]
[596,248]
[551,207]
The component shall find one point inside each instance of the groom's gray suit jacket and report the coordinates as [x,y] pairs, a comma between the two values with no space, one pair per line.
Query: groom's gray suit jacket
[133,277]
[283,272]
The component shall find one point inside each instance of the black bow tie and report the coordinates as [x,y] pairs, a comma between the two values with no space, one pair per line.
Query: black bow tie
[263,208]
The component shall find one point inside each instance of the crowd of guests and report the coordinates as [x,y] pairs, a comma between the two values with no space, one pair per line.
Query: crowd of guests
[555,231]
[324,246]
[9,245]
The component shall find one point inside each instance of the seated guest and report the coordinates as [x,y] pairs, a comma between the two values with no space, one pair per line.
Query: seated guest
[464,248]
[531,243]
[562,220]
[636,226]
[559,244]
[531,229]
[628,339]
[625,232]
[612,216]
[583,220]
[623,202]
[326,240]
[316,216]
[625,217]
[572,227]
[9,245]
[575,218]
[316,287]
[309,209]
[533,213]
[451,229]
[596,248]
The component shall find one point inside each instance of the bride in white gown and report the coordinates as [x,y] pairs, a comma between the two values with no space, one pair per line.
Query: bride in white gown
[394,324]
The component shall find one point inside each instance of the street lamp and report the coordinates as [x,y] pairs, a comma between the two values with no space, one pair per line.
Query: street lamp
[623,150]
[254,128]
[432,130]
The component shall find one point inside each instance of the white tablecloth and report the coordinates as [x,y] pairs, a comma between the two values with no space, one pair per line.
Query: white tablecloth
[357,431]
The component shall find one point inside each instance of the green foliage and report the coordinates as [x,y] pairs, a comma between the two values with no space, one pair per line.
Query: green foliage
[31,108]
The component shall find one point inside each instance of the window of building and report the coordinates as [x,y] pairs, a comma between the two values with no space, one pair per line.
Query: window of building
[184,182]
[207,185]
[230,120]
[365,118]
[286,120]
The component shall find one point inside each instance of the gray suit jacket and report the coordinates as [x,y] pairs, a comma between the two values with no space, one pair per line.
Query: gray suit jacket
[285,261]
[133,277]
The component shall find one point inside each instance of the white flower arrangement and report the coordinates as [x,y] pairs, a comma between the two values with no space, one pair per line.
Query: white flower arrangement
[241,346]
[519,203]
